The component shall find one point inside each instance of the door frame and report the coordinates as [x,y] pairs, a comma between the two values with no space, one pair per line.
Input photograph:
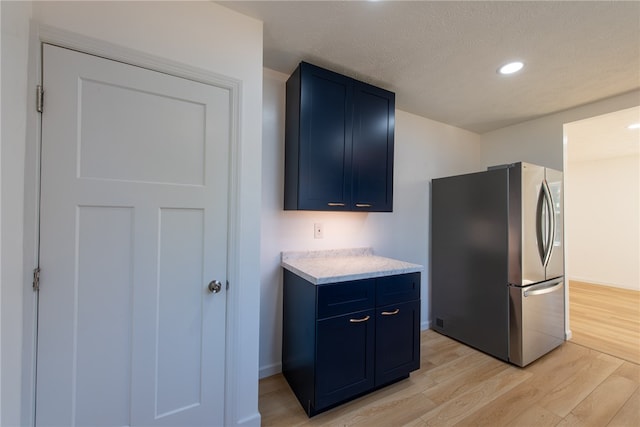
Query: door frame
[43,34]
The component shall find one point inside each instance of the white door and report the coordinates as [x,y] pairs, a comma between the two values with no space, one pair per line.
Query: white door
[134,187]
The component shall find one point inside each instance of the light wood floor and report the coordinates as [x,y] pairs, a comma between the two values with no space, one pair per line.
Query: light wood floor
[457,385]
[606,319]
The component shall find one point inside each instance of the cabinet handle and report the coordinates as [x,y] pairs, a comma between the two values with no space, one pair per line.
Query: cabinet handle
[364,319]
[391,313]
[363,205]
[335,204]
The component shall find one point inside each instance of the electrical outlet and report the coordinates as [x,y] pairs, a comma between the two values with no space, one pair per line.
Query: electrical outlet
[318,231]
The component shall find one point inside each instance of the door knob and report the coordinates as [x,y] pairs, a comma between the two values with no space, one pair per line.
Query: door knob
[215,286]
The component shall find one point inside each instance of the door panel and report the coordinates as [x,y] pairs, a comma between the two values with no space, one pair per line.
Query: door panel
[373,138]
[555,267]
[397,341]
[103,291]
[141,148]
[345,353]
[532,267]
[179,311]
[325,138]
[133,227]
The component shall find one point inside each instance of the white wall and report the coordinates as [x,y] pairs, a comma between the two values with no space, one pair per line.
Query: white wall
[424,149]
[604,231]
[15,31]
[203,35]
[539,141]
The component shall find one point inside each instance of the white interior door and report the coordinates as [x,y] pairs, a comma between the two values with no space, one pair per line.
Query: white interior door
[134,190]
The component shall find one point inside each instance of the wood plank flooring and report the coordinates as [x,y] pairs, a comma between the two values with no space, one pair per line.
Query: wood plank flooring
[459,386]
[606,319]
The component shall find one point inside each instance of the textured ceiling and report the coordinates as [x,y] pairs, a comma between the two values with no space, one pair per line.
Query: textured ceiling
[441,57]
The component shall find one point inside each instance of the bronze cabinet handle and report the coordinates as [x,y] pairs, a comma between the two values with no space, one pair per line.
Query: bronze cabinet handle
[364,319]
[391,313]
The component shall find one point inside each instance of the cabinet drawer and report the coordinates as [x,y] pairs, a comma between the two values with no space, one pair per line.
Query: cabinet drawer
[345,297]
[395,289]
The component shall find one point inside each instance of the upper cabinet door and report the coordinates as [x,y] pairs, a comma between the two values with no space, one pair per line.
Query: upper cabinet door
[373,134]
[338,143]
[325,139]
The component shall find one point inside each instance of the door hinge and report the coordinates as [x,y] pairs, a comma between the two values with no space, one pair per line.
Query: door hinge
[227,285]
[36,279]
[39,98]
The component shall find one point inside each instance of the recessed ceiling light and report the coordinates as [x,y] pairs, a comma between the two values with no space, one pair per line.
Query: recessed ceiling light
[510,68]
[634,126]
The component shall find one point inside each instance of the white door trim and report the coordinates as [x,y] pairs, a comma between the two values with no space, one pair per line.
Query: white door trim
[40,34]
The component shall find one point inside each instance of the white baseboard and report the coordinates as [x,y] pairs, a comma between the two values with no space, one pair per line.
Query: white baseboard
[601,283]
[253,421]
[425,324]
[268,370]
[568,334]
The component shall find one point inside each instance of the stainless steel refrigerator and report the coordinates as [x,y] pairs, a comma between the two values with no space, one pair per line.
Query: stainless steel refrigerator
[497,260]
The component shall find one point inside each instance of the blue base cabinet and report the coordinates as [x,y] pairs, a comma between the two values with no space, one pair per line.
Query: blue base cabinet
[343,340]
[339,140]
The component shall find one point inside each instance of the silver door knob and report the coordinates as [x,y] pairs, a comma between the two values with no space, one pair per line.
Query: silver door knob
[215,286]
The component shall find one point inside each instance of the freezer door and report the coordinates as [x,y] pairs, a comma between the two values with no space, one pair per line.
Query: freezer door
[533,214]
[555,261]
[536,320]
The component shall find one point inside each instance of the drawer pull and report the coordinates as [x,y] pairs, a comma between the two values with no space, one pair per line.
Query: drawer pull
[363,205]
[364,319]
[335,204]
[391,313]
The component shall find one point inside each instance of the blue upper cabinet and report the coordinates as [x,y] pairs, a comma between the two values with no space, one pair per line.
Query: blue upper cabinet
[338,143]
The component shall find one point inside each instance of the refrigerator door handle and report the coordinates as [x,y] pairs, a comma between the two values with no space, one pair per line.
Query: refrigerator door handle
[543,290]
[551,223]
[541,225]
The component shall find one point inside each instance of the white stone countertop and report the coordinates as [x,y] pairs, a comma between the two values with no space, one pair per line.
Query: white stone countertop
[341,265]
